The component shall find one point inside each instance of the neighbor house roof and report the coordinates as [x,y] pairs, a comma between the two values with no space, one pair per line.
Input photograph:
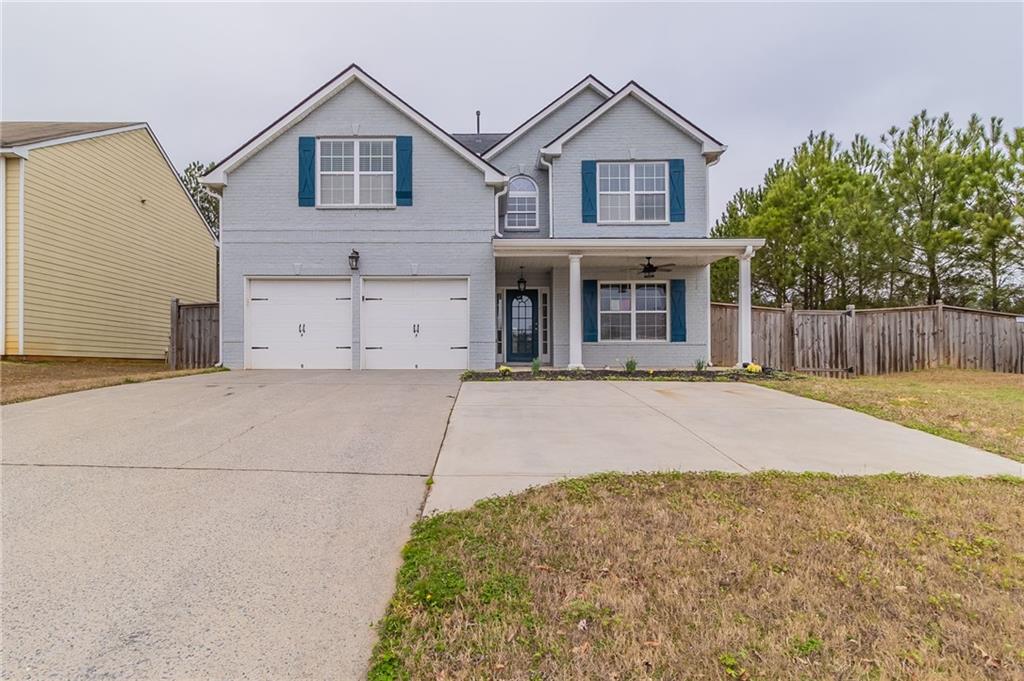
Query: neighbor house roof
[588,81]
[711,148]
[479,142]
[18,138]
[218,175]
[19,133]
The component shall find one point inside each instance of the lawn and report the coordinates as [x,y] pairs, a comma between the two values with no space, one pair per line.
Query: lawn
[980,408]
[713,576]
[27,380]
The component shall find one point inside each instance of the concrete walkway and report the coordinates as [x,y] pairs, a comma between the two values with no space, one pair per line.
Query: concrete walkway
[505,437]
[223,526]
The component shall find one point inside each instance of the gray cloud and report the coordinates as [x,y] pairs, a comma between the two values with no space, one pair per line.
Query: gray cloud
[759,77]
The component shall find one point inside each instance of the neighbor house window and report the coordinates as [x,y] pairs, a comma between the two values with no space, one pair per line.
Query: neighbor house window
[521,210]
[356,172]
[633,311]
[632,192]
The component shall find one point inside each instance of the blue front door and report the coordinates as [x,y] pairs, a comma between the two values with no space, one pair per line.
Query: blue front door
[521,325]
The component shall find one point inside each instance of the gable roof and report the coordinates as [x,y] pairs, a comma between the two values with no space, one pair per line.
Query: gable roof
[479,142]
[20,137]
[711,148]
[588,81]
[218,174]
[19,133]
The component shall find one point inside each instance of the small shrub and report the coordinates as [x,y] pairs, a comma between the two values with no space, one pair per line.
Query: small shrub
[630,365]
[753,368]
[468,375]
[504,371]
[535,367]
[700,365]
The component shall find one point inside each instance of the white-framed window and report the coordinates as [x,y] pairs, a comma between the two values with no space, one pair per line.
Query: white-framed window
[355,172]
[633,311]
[521,207]
[632,191]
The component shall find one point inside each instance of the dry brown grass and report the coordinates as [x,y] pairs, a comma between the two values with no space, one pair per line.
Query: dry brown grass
[979,408]
[701,576]
[28,380]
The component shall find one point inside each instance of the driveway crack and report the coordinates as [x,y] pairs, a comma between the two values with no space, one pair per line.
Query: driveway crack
[680,424]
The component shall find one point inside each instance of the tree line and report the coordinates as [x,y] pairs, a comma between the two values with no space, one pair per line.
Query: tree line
[930,212]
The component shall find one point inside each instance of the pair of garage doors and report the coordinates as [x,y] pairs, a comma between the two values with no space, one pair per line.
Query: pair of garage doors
[405,323]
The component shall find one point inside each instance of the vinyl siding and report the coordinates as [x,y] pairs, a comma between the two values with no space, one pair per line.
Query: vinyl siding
[101,266]
[10,346]
[629,125]
[520,158]
[446,232]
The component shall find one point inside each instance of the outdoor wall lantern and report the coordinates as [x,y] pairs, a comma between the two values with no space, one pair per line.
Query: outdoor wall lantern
[521,284]
[353,260]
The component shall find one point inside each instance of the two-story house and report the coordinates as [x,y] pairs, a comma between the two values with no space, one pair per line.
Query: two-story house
[356,233]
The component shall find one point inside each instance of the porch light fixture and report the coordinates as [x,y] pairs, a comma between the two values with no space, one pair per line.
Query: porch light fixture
[353,260]
[521,284]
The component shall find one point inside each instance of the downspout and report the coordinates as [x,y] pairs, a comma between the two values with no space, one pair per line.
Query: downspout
[497,216]
[220,274]
[551,197]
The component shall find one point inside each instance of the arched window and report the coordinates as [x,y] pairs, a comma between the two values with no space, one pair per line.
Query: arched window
[521,212]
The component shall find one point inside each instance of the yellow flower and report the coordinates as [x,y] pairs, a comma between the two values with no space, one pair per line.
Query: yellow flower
[754,368]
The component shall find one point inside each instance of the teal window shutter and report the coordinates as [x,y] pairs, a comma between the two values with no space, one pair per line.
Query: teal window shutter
[677,302]
[589,192]
[589,310]
[676,191]
[307,171]
[403,171]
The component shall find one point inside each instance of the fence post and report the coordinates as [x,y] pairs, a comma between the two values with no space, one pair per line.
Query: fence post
[941,354]
[788,343]
[851,341]
[172,348]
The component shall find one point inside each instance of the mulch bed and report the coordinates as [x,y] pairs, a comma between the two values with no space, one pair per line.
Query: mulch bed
[767,373]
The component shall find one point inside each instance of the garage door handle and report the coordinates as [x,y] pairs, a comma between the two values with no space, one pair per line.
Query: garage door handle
[343,299]
[259,347]
[342,347]
[462,298]
[459,347]
[252,300]
[365,298]
[373,347]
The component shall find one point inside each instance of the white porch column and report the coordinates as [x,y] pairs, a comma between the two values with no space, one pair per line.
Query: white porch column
[744,327]
[575,313]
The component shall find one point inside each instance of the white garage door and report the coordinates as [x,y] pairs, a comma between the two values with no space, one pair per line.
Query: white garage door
[415,323]
[300,324]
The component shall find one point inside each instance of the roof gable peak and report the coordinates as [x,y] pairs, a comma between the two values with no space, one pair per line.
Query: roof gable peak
[712,149]
[218,176]
[588,81]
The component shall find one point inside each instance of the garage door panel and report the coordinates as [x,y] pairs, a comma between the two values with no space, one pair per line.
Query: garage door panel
[300,324]
[415,324]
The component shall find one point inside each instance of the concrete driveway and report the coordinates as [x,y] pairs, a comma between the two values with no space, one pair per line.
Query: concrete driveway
[505,437]
[233,525]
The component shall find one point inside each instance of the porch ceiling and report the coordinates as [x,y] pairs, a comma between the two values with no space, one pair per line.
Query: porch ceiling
[512,253]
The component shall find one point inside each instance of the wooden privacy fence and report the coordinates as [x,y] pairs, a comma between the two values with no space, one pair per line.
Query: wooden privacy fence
[195,329]
[869,342]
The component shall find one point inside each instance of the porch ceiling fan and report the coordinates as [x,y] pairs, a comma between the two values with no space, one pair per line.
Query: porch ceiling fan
[649,269]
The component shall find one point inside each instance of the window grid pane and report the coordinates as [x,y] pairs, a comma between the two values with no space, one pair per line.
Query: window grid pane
[343,182]
[650,326]
[615,326]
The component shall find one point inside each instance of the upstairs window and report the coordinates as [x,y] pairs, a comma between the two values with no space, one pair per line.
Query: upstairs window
[356,172]
[521,209]
[632,192]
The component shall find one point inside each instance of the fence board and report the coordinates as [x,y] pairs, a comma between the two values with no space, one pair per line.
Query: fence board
[872,342]
[194,341]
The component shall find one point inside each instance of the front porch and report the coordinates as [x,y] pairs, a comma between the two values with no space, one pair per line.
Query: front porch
[599,302]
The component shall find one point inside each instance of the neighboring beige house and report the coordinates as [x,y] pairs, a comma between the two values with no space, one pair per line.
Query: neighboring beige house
[97,235]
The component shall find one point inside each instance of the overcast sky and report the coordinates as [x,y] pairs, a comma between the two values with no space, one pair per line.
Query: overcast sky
[758,77]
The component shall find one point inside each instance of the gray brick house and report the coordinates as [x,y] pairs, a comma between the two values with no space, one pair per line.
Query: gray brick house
[356,233]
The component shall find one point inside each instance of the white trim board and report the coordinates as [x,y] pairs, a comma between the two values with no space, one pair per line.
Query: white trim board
[218,177]
[710,147]
[588,82]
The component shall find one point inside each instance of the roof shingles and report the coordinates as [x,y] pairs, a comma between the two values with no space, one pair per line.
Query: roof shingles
[16,133]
